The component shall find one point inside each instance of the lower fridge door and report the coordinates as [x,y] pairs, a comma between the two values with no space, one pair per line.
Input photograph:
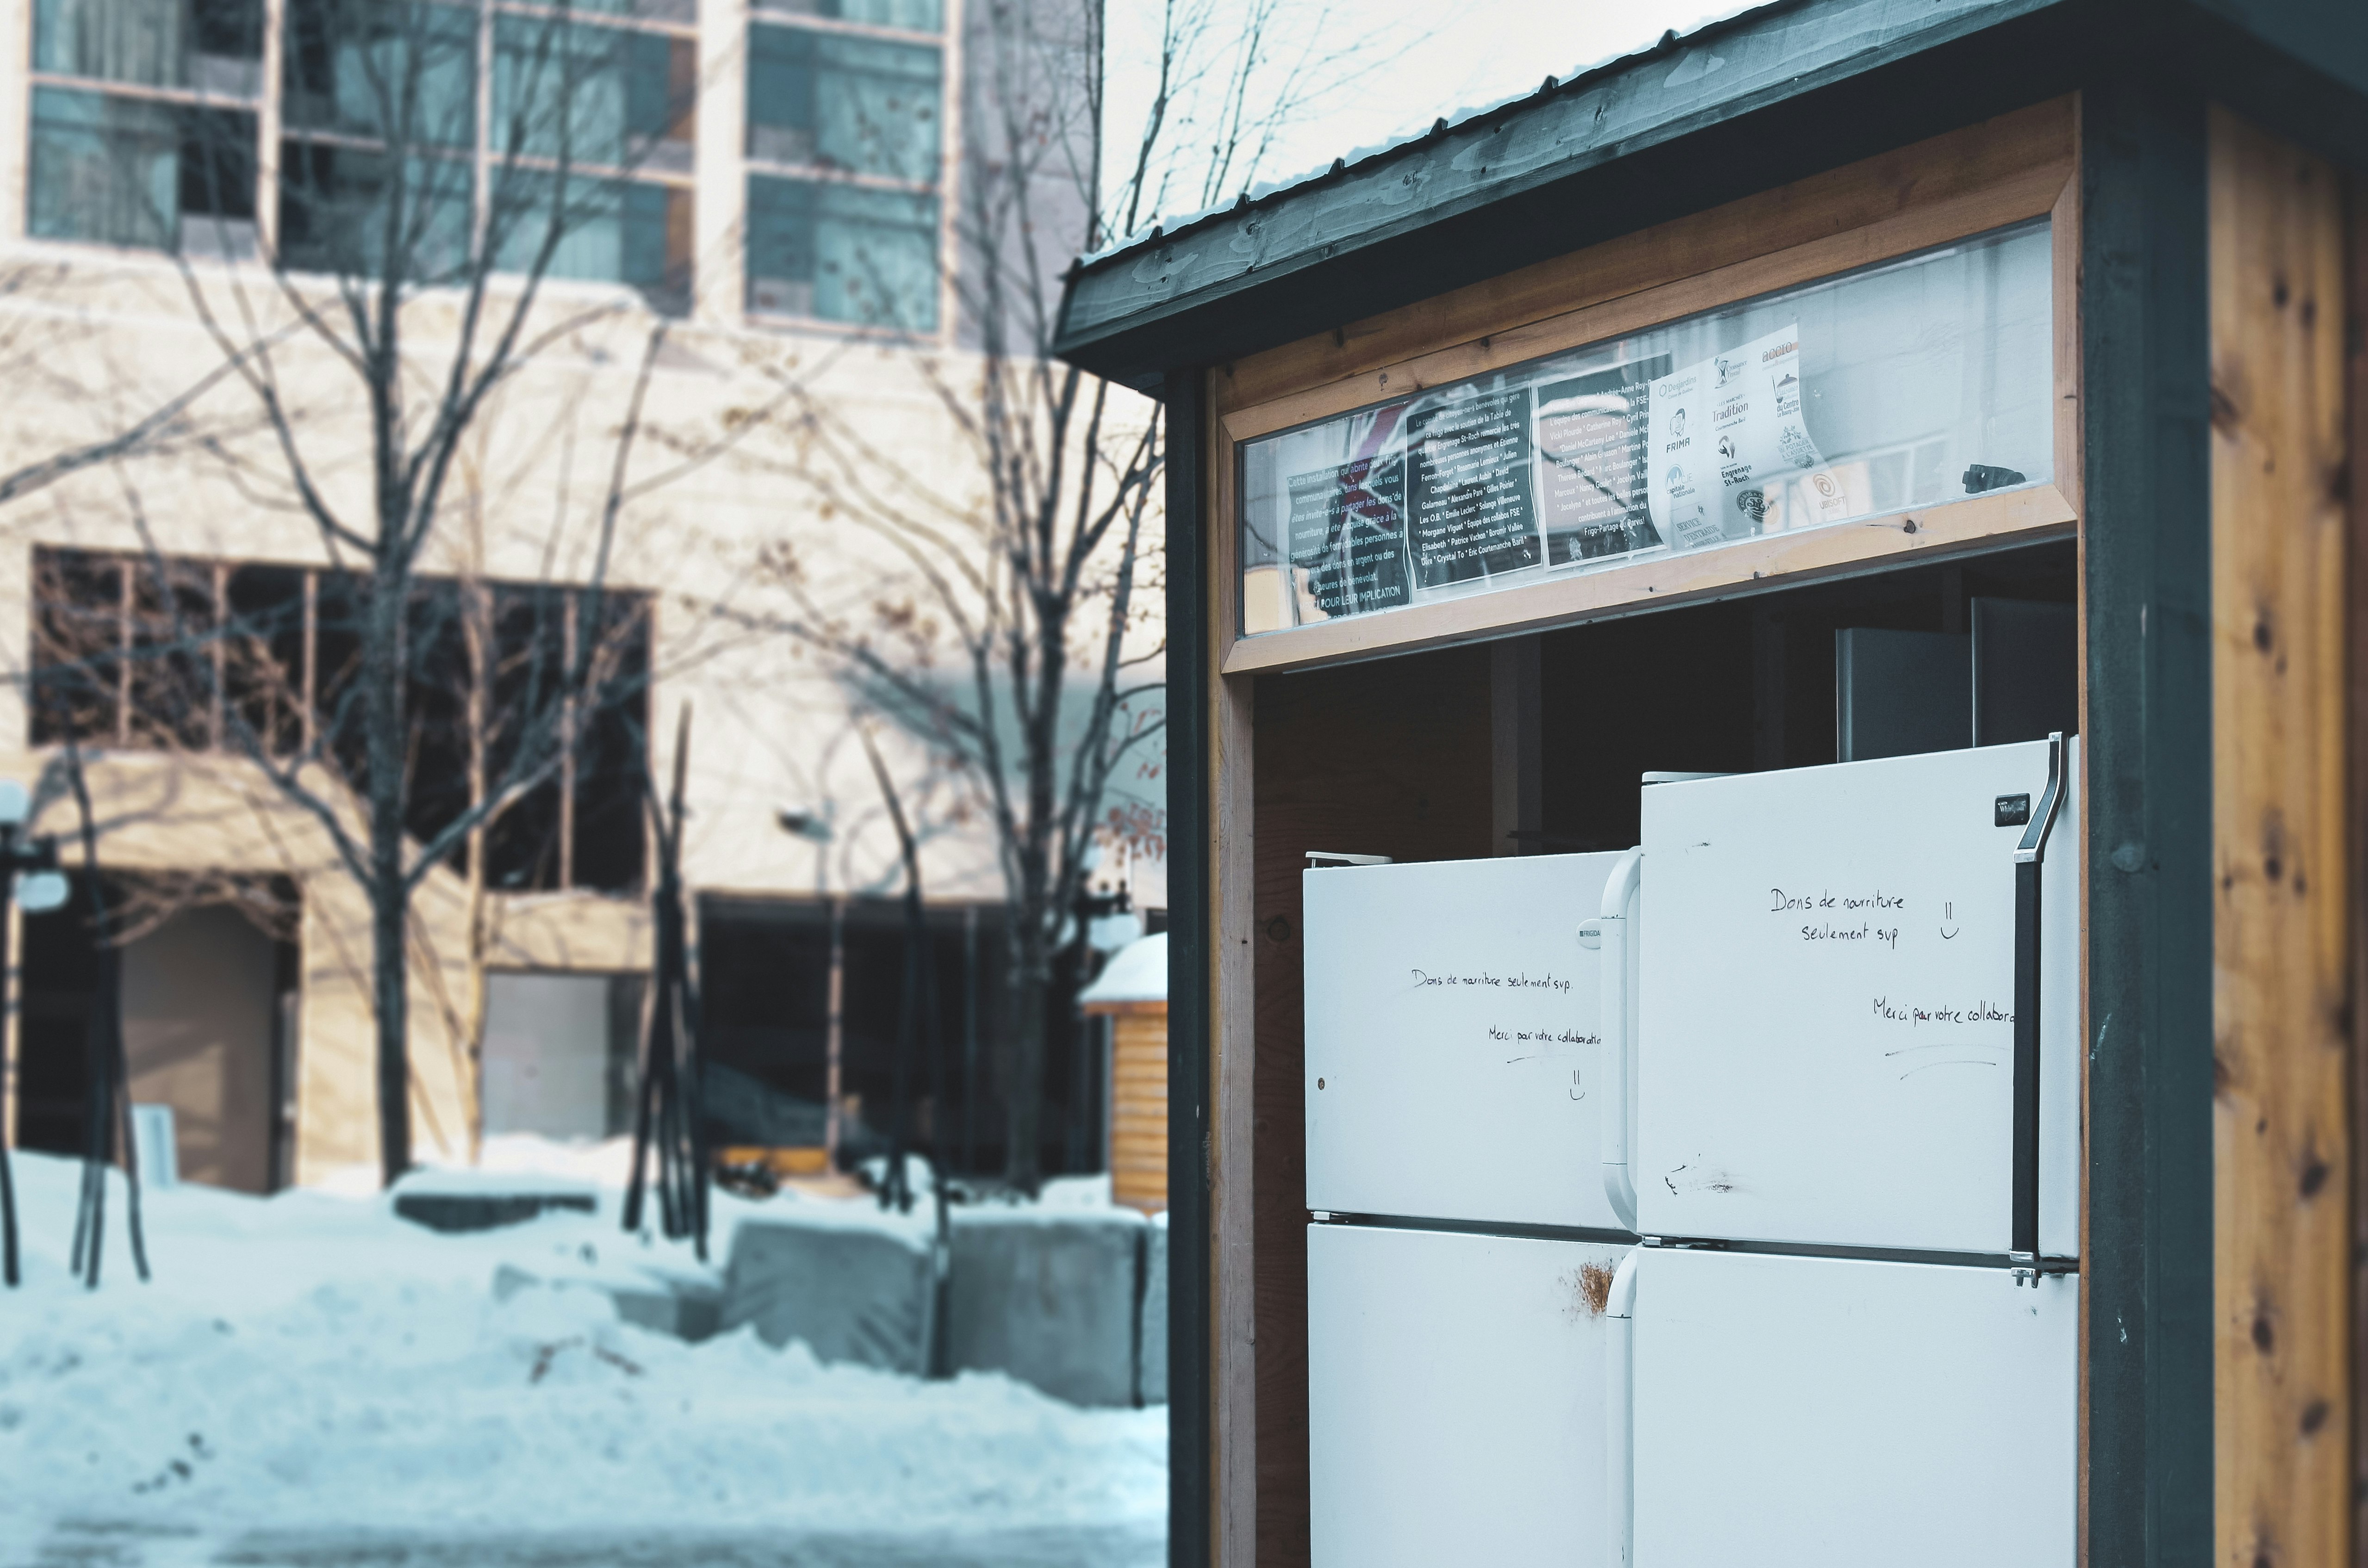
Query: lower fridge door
[1838,1413]
[1455,1398]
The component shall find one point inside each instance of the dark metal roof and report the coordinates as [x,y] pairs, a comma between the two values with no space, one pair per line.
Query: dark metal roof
[1741,105]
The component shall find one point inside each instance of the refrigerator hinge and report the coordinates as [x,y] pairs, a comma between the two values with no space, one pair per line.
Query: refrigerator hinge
[2024,1269]
[1319,1216]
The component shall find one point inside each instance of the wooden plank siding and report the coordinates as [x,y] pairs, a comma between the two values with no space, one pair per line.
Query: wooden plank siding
[2356,584]
[1138,1159]
[2281,936]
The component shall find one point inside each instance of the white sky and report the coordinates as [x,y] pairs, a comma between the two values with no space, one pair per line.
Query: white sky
[1434,59]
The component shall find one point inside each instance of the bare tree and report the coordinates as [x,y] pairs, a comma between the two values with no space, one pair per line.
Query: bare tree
[1015,632]
[400,290]
[517,704]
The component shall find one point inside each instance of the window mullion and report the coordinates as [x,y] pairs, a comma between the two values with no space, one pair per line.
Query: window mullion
[269,118]
[482,149]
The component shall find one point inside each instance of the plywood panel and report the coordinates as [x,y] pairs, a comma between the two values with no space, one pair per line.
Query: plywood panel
[1386,758]
[2280,935]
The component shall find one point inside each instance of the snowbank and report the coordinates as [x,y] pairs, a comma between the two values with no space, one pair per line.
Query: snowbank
[312,1361]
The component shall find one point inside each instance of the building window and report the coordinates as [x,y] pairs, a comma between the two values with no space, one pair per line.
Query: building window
[214,47]
[183,654]
[383,72]
[842,252]
[145,115]
[909,16]
[333,204]
[589,124]
[846,135]
[143,125]
[821,101]
[615,102]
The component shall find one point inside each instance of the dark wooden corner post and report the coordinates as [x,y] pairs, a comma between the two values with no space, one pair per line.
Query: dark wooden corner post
[2145,571]
[1189,971]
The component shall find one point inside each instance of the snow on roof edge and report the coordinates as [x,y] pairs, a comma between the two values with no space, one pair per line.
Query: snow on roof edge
[1138,972]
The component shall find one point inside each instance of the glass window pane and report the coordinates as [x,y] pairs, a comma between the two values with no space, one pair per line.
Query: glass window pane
[1907,385]
[105,169]
[129,171]
[843,253]
[214,45]
[610,230]
[587,94]
[399,73]
[919,16]
[338,206]
[120,41]
[863,105]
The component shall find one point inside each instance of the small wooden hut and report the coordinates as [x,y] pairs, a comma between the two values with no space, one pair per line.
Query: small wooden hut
[1131,992]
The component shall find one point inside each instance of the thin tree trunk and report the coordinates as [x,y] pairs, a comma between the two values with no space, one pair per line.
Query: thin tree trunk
[1023,1163]
[9,1264]
[476,627]
[389,974]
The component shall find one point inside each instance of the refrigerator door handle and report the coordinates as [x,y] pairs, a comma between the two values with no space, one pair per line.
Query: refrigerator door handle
[1612,957]
[1619,1414]
[2023,1243]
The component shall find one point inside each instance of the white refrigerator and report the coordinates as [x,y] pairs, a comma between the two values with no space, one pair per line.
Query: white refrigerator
[1462,1247]
[1842,1109]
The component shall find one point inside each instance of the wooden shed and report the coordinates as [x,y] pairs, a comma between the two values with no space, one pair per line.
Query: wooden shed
[1131,993]
[2175,189]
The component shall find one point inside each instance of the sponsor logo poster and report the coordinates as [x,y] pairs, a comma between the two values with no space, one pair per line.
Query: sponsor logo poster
[1468,486]
[1727,438]
[1348,528]
[1592,460]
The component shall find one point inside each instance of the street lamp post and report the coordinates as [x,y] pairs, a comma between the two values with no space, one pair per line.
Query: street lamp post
[29,874]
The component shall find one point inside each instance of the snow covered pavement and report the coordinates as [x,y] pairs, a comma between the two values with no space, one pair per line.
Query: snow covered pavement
[89,1545]
[309,1381]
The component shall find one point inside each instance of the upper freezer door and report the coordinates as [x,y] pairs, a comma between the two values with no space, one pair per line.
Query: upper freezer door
[1455,1399]
[1827,1413]
[1827,1049]
[1452,1046]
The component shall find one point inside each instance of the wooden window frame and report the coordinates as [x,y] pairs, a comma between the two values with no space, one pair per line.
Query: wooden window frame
[2008,170]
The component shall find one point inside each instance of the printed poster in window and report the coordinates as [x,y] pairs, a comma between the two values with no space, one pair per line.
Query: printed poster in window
[1728,439]
[1348,524]
[1468,478]
[1591,436]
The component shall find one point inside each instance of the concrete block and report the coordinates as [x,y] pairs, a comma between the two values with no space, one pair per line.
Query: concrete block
[1049,1299]
[1151,1353]
[852,1292]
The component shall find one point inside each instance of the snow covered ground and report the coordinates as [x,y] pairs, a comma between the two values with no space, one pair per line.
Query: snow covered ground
[309,1380]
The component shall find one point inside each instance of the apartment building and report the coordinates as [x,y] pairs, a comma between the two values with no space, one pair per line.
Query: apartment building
[778,185]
